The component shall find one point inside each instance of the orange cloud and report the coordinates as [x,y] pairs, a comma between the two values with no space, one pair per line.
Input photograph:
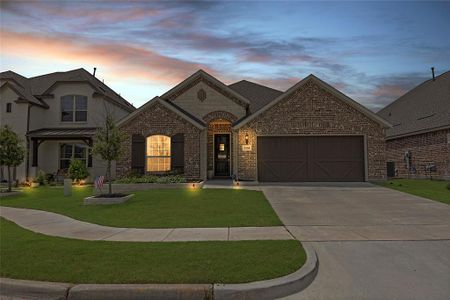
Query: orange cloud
[120,60]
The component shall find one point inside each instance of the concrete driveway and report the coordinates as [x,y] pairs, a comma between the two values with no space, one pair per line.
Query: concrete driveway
[358,212]
[372,242]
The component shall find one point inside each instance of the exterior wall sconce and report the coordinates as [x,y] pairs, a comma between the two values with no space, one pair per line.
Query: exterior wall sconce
[246,138]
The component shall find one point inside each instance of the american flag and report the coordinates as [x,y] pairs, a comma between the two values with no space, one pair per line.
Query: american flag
[98,182]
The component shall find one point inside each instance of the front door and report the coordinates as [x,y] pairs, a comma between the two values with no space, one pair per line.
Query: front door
[222,155]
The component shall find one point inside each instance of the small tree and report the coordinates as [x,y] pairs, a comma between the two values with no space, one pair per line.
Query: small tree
[108,142]
[12,152]
[78,170]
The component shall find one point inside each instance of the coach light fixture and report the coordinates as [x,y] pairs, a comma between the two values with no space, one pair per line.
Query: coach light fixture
[246,138]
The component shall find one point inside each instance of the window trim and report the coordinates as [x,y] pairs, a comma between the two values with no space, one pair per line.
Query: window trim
[72,157]
[9,107]
[74,110]
[158,156]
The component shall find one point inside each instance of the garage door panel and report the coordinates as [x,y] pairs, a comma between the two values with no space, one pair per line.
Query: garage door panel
[315,158]
[281,149]
[291,171]
[336,171]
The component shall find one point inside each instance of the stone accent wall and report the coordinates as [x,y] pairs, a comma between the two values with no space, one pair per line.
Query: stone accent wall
[206,82]
[215,101]
[159,120]
[311,110]
[430,147]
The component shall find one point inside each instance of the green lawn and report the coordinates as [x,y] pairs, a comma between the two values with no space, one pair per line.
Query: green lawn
[431,189]
[158,208]
[28,255]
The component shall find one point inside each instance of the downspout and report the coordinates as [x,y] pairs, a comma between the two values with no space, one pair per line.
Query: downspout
[235,154]
[27,169]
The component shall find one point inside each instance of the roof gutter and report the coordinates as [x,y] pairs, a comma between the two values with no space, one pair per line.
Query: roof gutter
[422,131]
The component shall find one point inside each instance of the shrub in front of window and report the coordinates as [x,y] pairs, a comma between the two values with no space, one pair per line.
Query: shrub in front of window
[78,170]
[148,178]
[41,178]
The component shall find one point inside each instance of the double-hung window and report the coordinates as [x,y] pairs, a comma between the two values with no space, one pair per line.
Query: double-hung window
[69,152]
[158,153]
[73,108]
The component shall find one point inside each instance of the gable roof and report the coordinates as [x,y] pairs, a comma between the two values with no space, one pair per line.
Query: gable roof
[35,89]
[326,87]
[41,85]
[21,87]
[200,74]
[258,95]
[424,108]
[172,107]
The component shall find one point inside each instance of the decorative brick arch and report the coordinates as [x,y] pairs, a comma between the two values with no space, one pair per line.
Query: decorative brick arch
[219,115]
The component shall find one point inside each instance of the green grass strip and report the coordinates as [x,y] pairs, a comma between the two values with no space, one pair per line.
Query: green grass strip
[28,255]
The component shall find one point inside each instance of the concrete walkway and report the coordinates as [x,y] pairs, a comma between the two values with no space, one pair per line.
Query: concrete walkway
[53,224]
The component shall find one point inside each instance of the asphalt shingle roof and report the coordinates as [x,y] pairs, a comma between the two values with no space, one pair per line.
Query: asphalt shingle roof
[258,95]
[21,85]
[33,87]
[424,108]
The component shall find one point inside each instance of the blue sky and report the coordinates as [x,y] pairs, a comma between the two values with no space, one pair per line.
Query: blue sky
[372,51]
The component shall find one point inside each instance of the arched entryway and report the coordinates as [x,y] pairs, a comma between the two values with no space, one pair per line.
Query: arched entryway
[219,144]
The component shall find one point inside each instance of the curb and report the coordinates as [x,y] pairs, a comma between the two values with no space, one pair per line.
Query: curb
[273,288]
[27,289]
[267,289]
[140,291]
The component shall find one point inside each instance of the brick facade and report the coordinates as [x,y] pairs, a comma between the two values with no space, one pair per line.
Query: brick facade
[311,110]
[431,147]
[157,119]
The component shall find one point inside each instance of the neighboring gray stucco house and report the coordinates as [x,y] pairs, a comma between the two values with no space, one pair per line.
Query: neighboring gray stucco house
[203,128]
[56,115]
[420,135]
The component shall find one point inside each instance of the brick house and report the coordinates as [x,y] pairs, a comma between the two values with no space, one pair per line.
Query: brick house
[203,128]
[418,144]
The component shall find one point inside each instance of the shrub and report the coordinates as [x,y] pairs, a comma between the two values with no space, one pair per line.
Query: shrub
[41,178]
[78,170]
[152,179]
[448,186]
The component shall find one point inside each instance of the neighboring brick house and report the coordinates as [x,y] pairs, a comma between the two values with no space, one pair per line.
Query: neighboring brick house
[418,144]
[56,116]
[206,129]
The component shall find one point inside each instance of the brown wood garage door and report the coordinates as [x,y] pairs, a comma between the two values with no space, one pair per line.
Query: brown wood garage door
[315,158]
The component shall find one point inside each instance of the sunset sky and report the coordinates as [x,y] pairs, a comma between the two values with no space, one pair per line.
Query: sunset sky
[373,52]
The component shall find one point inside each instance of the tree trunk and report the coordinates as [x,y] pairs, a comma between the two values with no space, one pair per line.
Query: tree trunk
[108,171]
[9,179]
